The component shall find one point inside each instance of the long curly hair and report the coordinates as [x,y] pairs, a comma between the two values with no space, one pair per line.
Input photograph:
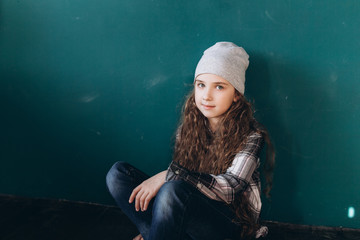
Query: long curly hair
[199,149]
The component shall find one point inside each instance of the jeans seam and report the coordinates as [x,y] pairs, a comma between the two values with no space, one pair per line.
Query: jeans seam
[182,232]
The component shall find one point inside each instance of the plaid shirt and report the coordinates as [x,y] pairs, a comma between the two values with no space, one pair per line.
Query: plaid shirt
[242,175]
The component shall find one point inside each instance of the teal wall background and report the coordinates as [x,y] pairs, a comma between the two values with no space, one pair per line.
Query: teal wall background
[88,83]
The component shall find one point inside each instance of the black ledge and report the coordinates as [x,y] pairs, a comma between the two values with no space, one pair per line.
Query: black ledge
[36,218]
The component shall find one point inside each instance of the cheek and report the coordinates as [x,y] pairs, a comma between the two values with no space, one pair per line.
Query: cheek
[228,101]
[197,97]
[197,103]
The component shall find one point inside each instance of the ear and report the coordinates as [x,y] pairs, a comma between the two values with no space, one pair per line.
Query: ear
[236,97]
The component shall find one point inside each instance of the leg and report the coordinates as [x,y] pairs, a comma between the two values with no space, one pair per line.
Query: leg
[121,180]
[181,211]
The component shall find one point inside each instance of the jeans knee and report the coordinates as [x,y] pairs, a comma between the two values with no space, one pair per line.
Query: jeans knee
[172,195]
[115,174]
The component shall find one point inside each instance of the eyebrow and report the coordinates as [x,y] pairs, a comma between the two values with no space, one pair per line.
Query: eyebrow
[223,83]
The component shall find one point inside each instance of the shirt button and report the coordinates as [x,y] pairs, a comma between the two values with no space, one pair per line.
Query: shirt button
[199,185]
[177,172]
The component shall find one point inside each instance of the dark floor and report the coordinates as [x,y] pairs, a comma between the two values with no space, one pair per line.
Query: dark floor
[28,218]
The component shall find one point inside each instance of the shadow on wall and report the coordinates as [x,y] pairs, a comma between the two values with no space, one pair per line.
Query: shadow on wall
[265,88]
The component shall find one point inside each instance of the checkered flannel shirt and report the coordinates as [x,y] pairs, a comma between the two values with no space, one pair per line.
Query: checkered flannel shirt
[242,175]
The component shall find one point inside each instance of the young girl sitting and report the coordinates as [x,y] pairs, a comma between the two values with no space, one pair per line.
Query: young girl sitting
[211,189]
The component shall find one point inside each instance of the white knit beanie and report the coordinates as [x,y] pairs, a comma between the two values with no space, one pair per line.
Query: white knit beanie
[226,60]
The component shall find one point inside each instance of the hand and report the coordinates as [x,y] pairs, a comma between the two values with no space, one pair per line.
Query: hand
[147,190]
[138,237]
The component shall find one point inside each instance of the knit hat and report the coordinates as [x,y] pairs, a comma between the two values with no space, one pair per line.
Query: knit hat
[227,60]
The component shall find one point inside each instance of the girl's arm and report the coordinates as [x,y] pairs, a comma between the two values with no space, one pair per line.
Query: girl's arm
[148,189]
[225,186]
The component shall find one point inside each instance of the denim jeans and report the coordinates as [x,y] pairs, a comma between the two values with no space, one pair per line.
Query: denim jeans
[179,211]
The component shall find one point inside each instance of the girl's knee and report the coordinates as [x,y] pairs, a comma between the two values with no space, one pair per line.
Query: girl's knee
[173,186]
[171,201]
[173,192]
[116,172]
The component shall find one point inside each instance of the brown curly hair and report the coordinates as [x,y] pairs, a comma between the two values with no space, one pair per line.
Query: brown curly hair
[199,149]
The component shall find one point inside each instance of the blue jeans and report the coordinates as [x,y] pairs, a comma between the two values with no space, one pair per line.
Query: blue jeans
[179,211]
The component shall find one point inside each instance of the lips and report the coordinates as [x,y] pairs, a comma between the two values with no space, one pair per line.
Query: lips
[207,107]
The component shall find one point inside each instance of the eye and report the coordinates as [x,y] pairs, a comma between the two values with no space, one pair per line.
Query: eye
[201,85]
[219,87]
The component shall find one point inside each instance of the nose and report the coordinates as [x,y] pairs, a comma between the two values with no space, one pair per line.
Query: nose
[207,96]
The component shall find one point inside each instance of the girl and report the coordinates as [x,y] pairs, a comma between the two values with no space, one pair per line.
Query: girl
[211,189]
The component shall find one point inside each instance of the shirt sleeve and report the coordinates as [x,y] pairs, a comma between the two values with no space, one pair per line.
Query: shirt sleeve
[236,179]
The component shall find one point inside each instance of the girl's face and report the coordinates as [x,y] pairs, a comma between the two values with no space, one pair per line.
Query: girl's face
[213,97]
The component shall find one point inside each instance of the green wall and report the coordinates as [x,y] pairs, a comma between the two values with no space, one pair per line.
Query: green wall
[88,83]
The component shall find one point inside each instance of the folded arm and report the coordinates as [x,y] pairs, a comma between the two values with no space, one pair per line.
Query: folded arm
[236,179]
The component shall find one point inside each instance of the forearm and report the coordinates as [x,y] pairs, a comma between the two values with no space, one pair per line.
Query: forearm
[198,180]
[222,187]
[161,176]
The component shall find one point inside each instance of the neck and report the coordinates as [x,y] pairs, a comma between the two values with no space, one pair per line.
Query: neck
[213,124]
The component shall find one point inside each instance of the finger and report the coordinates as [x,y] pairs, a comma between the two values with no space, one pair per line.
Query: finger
[137,200]
[142,201]
[147,201]
[138,237]
[134,193]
